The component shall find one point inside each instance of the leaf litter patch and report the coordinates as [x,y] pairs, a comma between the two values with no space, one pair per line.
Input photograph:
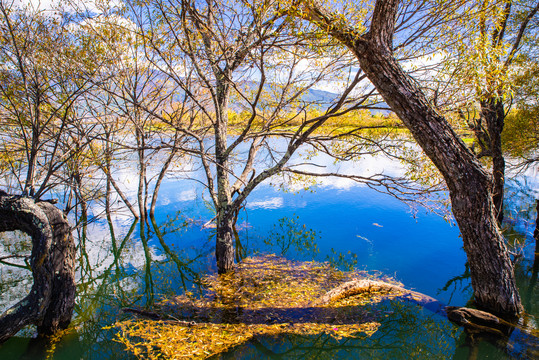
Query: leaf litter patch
[264,296]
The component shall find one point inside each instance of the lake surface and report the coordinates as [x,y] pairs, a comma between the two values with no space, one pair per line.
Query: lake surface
[337,220]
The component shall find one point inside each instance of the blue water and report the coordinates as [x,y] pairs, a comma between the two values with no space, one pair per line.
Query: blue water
[347,224]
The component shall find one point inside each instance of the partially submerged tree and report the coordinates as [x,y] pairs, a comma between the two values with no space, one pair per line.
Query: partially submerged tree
[49,305]
[489,42]
[249,54]
[470,186]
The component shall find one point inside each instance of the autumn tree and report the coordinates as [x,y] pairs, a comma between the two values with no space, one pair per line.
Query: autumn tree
[470,186]
[490,39]
[45,72]
[247,69]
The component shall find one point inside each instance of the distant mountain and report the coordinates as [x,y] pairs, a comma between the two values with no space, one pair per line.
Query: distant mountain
[322,99]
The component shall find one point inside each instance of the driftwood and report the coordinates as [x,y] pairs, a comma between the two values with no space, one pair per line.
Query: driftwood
[472,320]
[49,305]
[477,321]
[356,287]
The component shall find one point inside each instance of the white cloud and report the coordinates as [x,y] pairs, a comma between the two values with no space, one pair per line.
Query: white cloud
[187,195]
[272,203]
[426,67]
[93,6]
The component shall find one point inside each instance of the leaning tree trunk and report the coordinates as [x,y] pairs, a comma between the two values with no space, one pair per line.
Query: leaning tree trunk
[469,185]
[494,115]
[49,305]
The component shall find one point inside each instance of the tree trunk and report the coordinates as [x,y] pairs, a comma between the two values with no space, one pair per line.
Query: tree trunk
[535,266]
[224,246]
[494,114]
[469,185]
[49,305]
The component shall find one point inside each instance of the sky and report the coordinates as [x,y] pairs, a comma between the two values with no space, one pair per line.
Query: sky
[89,5]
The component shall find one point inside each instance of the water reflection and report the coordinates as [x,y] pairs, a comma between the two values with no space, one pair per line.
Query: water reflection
[289,236]
[125,262]
[407,331]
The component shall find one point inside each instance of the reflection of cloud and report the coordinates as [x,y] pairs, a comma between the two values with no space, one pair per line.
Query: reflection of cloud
[98,247]
[187,195]
[164,200]
[366,166]
[273,203]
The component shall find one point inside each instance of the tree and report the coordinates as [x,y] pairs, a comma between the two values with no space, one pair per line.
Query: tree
[49,305]
[45,71]
[489,43]
[470,186]
[218,52]
[521,131]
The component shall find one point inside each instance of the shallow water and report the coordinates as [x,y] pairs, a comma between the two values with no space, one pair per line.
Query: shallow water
[345,223]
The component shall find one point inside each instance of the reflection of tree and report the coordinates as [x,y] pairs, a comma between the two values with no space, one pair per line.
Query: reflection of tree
[535,268]
[289,235]
[341,260]
[522,209]
[186,272]
[102,292]
[15,270]
[459,283]
[519,344]
[406,332]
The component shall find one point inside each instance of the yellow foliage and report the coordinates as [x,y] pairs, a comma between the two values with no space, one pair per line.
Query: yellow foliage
[521,132]
[264,296]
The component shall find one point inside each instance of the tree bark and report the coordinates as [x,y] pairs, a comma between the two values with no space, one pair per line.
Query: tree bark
[470,187]
[49,305]
[224,245]
[494,114]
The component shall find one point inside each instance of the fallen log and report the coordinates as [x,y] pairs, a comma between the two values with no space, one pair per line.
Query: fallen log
[477,321]
[360,286]
[155,316]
